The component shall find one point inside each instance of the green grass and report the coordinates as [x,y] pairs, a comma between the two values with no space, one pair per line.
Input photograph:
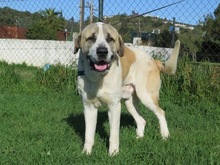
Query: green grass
[44,124]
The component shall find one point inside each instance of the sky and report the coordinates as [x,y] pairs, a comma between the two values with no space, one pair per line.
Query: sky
[188,11]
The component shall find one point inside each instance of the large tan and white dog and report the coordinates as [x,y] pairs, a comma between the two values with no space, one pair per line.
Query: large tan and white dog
[109,71]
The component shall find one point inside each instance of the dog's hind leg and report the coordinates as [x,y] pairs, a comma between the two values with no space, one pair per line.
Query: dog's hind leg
[132,107]
[147,87]
[151,102]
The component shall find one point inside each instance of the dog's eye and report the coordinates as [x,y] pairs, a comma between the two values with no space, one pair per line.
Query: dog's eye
[110,39]
[92,38]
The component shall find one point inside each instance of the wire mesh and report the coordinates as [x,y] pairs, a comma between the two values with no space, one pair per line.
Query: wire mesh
[141,23]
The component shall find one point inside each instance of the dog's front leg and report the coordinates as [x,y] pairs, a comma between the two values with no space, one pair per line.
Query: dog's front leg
[114,114]
[90,115]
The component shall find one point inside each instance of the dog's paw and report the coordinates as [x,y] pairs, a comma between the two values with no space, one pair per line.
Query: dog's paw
[113,149]
[87,152]
[165,134]
[139,135]
[113,152]
[87,149]
[140,128]
[164,131]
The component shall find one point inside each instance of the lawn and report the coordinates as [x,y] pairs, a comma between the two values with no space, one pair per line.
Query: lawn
[43,123]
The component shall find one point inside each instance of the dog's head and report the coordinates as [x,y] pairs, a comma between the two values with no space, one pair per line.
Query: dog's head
[100,43]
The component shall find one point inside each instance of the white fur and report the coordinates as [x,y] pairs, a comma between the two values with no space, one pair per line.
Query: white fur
[142,83]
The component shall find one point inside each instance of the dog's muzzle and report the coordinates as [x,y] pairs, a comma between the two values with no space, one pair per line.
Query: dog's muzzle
[100,64]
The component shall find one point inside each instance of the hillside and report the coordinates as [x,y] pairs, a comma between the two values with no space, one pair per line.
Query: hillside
[13,17]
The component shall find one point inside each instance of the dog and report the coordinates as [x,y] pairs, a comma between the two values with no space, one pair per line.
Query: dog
[109,71]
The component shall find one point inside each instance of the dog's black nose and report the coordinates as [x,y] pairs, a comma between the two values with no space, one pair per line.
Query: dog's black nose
[102,51]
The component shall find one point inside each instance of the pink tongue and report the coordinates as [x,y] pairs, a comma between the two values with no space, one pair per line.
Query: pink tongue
[101,67]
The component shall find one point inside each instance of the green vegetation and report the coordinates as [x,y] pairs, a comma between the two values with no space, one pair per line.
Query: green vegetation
[42,25]
[211,39]
[47,27]
[42,120]
[11,17]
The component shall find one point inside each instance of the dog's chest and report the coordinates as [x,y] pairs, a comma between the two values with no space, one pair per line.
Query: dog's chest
[107,91]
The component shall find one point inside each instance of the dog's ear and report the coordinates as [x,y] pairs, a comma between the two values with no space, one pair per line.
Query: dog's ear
[121,46]
[77,43]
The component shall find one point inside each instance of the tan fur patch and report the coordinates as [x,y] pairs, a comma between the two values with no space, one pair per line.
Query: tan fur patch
[155,100]
[126,61]
[153,81]
[159,65]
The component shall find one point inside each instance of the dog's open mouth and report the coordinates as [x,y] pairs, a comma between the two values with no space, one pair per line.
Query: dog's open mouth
[99,66]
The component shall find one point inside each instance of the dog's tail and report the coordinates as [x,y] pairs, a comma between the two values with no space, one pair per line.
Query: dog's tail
[170,65]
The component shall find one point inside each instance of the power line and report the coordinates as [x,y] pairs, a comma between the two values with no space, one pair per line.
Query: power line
[150,11]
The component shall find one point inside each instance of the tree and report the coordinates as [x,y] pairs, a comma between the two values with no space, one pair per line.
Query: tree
[11,17]
[41,32]
[46,29]
[210,46]
[53,19]
[216,22]
[164,39]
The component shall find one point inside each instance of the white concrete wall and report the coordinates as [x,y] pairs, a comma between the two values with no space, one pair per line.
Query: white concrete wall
[159,52]
[41,52]
[37,52]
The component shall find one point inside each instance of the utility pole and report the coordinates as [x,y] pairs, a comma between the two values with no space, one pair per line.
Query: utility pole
[101,9]
[82,4]
[91,12]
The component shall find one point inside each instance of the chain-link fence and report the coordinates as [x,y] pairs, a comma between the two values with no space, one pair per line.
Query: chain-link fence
[41,32]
